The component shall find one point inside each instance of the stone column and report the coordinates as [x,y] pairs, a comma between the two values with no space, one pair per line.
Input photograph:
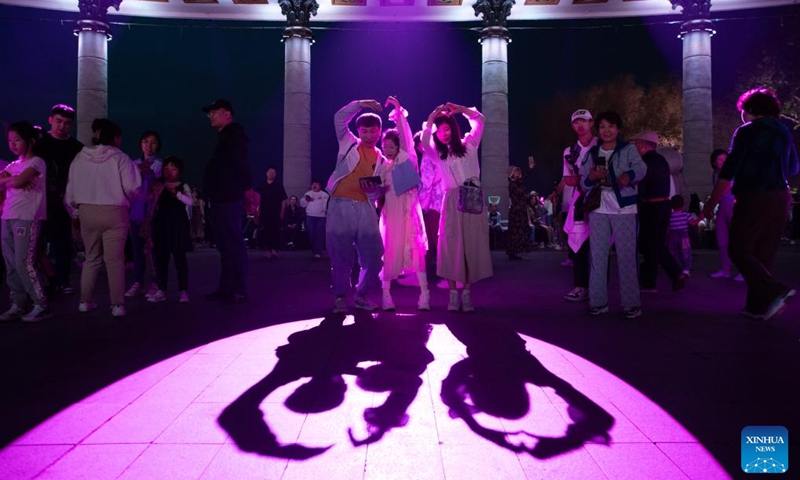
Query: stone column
[698,135]
[93,34]
[297,39]
[494,96]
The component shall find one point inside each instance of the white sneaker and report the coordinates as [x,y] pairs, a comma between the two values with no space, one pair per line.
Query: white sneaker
[135,290]
[466,302]
[12,313]
[118,311]
[454,304]
[424,302]
[577,294]
[184,297]
[151,290]
[720,274]
[157,297]
[339,305]
[86,306]
[38,314]
[386,301]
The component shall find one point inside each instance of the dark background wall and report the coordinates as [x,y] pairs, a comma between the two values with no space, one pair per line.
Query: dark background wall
[161,72]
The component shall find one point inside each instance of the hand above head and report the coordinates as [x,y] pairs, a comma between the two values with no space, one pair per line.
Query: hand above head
[531,162]
[370,104]
[435,113]
[392,100]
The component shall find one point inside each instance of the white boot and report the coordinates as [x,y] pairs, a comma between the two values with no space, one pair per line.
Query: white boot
[466,301]
[424,302]
[455,304]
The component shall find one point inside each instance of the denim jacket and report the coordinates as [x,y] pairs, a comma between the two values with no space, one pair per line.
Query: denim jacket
[624,159]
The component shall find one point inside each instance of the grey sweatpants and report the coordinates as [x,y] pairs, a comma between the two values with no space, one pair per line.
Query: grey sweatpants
[623,227]
[19,239]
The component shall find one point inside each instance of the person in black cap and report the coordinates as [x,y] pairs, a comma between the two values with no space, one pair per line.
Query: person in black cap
[226,178]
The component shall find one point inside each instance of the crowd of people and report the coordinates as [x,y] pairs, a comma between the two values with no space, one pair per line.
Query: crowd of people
[397,205]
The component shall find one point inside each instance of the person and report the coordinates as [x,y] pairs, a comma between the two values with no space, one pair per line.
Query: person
[271,212]
[166,228]
[495,226]
[431,194]
[102,182]
[24,211]
[678,243]
[315,201]
[463,252]
[761,158]
[149,165]
[402,227]
[654,216]
[225,181]
[198,219]
[252,205]
[537,224]
[722,220]
[575,221]
[352,216]
[58,148]
[518,224]
[613,167]
[293,220]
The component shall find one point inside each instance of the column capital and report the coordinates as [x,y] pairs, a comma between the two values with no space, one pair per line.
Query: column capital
[93,16]
[695,15]
[298,14]
[494,14]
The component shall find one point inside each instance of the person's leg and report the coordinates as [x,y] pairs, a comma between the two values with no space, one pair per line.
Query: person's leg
[237,248]
[17,289]
[161,259]
[600,245]
[624,230]
[139,259]
[114,237]
[26,237]
[580,266]
[662,213]
[369,246]
[723,226]
[686,253]
[648,244]
[182,269]
[217,222]
[340,234]
[61,247]
[92,235]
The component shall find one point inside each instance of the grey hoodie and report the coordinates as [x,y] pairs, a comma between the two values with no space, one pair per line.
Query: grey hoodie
[101,175]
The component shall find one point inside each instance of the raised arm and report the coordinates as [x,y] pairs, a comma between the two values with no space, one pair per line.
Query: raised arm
[476,122]
[398,116]
[427,133]
[342,118]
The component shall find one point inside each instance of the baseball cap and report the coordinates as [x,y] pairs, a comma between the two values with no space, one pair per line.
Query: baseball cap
[217,104]
[647,136]
[581,113]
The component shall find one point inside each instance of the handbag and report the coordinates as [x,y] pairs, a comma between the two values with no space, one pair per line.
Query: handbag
[405,177]
[592,201]
[470,196]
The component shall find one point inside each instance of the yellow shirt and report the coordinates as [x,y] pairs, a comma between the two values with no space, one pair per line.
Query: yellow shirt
[349,187]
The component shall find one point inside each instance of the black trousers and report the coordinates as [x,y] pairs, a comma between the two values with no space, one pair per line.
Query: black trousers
[161,259]
[59,234]
[653,227]
[580,265]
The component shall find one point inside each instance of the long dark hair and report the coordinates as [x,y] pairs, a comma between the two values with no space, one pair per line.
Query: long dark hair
[456,147]
[26,132]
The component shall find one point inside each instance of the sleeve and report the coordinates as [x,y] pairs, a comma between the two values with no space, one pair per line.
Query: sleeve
[283,194]
[476,124]
[69,195]
[406,137]
[587,164]
[735,155]
[129,176]
[303,201]
[341,122]
[637,169]
[428,147]
[185,196]
[566,170]
[39,165]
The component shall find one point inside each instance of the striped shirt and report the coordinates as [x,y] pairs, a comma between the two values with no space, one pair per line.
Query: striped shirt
[679,220]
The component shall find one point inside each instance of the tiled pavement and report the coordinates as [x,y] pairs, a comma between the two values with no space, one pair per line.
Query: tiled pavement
[527,387]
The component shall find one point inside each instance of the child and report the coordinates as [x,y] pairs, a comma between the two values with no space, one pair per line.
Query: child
[678,240]
[405,242]
[23,213]
[315,201]
[167,225]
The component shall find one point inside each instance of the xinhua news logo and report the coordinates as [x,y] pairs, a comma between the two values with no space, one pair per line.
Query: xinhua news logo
[765,449]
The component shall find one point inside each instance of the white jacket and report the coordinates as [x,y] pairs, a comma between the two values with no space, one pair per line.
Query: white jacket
[101,175]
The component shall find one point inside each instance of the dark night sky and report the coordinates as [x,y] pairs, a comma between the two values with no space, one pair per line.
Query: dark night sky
[162,72]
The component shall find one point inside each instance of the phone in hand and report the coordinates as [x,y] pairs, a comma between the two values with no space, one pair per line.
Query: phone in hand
[373,181]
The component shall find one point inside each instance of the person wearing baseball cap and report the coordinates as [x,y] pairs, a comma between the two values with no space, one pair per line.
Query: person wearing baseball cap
[654,215]
[574,224]
[226,179]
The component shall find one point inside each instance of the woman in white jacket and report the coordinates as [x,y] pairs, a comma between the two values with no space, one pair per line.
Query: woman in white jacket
[102,180]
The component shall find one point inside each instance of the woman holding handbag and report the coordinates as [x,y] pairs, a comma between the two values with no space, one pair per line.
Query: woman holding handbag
[463,249]
[402,228]
[610,171]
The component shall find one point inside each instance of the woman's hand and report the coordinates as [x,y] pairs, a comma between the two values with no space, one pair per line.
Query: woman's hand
[435,113]
[531,162]
[392,100]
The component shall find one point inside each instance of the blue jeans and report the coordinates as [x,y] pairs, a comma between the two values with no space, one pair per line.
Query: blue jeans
[226,219]
[352,228]
[316,233]
[681,248]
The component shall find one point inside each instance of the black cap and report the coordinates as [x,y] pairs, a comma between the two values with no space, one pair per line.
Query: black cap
[217,104]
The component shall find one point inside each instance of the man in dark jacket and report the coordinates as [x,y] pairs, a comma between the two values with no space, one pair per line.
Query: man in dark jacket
[654,214]
[226,178]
